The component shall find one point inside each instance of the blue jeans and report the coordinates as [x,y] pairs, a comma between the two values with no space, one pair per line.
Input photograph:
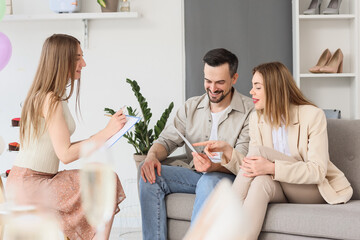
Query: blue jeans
[173,180]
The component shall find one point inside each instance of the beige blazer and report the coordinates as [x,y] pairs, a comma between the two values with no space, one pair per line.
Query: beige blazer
[308,143]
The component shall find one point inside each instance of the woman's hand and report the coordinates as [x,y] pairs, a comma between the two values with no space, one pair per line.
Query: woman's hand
[211,147]
[116,122]
[256,166]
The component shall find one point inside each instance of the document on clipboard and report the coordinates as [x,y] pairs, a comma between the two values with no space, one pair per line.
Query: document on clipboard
[130,122]
[186,141]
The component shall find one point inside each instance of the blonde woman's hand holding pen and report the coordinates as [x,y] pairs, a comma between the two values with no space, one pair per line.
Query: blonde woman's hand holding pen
[117,121]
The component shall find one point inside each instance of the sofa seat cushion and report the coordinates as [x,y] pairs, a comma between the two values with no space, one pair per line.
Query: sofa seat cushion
[340,221]
[315,220]
[179,206]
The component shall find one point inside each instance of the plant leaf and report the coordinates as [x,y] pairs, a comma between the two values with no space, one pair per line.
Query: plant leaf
[109,111]
[142,137]
[161,123]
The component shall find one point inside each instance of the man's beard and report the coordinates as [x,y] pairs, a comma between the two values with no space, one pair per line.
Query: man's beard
[220,98]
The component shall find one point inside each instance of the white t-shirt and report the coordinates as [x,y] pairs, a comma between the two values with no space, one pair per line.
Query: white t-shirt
[214,132]
[280,140]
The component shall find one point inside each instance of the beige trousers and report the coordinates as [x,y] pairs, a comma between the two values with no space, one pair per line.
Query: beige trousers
[255,193]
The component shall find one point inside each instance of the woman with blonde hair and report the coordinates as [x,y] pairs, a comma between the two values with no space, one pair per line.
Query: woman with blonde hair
[45,128]
[288,158]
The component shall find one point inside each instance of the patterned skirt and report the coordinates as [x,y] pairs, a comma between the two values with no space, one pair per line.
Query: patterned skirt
[59,193]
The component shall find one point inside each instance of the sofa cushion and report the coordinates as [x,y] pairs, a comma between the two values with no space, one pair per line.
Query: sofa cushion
[340,221]
[180,205]
[344,150]
[177,229]
[282,236]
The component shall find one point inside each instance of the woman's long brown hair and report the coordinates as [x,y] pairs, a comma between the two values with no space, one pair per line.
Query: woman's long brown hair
[56,70]
[280,92]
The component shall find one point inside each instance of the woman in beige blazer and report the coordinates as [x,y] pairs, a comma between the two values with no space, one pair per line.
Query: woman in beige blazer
[288,159]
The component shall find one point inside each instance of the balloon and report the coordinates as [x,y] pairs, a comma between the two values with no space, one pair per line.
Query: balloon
[2,9]
[2,145]
[5,50]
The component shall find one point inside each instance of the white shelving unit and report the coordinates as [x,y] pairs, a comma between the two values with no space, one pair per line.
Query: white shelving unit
[312,34]
[84,17]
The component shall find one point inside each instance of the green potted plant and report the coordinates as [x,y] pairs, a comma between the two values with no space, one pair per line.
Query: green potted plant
[142,137]
[108,5]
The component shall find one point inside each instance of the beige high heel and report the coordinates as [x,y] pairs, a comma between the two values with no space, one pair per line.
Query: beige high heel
[323,60]
[335,64]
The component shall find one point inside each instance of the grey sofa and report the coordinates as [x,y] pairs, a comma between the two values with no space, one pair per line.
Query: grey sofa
[299,221]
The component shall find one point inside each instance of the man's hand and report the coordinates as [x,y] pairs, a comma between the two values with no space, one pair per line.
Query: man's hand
[148,169]
[212,146]
[202,162]
[256,165]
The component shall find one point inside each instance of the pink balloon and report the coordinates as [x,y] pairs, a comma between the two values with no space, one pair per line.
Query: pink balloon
[5,50]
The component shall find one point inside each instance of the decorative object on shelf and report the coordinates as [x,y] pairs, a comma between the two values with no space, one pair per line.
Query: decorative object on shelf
[332,113]
[15,122]
[333,7]
[2,9]
[5,174]
[102,3]
[64,6]
[5,50]
[14,146]
[124,6]
[314,8]
[328,63]
[335,64]
[8,10]
[109,5]
[2,145]
[323,60]
[142,137]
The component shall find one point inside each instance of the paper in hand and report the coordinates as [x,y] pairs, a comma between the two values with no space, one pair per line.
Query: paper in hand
[185,140]
[130,122]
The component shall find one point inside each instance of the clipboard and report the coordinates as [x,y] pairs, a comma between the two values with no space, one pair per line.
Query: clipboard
[186,141]
[130,122]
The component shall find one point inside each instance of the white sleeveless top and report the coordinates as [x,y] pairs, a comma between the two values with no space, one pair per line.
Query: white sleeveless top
[38,154]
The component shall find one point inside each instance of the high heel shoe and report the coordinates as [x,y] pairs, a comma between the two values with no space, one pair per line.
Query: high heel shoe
[314,7]
[323,60]
[335,64]
[333,7]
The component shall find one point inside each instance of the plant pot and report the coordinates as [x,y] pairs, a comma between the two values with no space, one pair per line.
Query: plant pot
[138,159]
[111,6]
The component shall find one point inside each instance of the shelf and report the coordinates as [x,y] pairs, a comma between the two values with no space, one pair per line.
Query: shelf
[70,16]
[327,75]
[327,17]
[311,35]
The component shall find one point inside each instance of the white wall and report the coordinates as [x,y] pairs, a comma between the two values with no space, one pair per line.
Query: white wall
[148,49]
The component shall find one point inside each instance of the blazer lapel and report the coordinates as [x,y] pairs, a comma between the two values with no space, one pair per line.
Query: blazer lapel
[294,131]
[266,133]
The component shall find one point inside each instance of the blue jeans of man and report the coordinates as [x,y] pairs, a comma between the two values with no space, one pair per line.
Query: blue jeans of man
[173,180]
